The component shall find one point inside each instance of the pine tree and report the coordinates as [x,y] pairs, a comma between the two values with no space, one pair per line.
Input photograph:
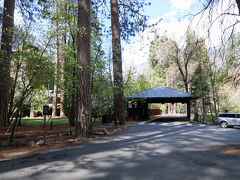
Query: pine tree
[56,60]
[64,4]
[118,103]
[84,120]
[5,58]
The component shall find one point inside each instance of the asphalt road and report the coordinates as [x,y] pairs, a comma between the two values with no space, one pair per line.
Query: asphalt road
[170,150]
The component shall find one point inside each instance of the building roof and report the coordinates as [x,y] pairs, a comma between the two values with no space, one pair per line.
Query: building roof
[161,92]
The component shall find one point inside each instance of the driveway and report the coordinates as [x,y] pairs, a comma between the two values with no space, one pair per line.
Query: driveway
[170,150]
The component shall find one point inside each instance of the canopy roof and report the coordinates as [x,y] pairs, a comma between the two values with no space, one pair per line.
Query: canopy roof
[162,94]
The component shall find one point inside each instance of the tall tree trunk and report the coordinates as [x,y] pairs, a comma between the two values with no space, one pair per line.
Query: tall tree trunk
[63,60]
[13,91]
[214,93]
[72,115]
[169,108]
[214,97]
[174,108]
[84,120]
[56,59]
[238,4]
[185,83]
[168,85]
[203,109]
[13,128]
[5,58]
[118,103]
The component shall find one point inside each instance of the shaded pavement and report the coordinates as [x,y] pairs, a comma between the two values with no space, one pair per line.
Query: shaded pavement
[148,150]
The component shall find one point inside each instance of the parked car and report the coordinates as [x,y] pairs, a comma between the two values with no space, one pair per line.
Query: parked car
[228,119]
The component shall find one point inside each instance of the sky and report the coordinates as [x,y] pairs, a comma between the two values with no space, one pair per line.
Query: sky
[174,23]
[160,7]
[176,18]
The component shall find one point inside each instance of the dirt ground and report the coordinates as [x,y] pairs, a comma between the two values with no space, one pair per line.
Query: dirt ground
[231,150]
[59,133]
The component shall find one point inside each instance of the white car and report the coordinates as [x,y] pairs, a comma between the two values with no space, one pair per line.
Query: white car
[228,119]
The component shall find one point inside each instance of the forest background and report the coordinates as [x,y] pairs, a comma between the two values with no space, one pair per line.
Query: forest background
[46,53]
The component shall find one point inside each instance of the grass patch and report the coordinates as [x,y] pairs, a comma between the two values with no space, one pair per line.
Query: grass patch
[39,121]
[209,117]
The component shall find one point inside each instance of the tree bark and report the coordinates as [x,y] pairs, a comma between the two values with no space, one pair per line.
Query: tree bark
[83,124]
[238,4]
[5,58]
[186,85]
[188,110]
[13,91]
[174,108]
[118,103]
[73,106]
[72,115]
[62,114]
[56,60]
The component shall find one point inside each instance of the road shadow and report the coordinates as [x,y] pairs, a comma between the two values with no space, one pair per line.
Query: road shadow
[141,152]
[171,118]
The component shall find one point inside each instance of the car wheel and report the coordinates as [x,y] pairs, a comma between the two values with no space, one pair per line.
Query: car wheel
[224,124]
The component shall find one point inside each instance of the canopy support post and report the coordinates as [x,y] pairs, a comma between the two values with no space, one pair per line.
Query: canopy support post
[188,110]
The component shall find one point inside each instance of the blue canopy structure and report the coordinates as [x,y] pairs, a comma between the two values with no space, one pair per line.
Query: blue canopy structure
[162,94]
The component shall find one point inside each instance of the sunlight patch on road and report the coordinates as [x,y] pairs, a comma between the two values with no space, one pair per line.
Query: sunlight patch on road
[164,150]
[214,171]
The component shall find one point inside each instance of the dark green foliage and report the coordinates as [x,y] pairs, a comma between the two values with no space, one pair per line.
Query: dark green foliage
[161,61]
[131,16]
[201,80]
[199,83]
[135,84]
[32,69]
